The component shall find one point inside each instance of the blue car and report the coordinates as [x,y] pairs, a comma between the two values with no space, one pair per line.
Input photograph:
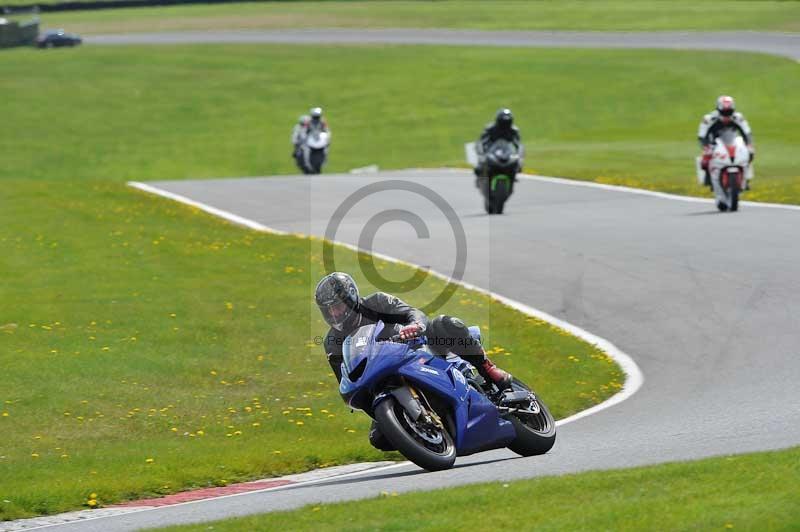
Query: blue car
[434,409]
[57,38]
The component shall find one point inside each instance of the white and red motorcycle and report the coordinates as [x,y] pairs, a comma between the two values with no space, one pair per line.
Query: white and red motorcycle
[729,170]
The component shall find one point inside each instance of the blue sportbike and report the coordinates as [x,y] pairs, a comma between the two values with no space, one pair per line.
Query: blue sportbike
[433,409]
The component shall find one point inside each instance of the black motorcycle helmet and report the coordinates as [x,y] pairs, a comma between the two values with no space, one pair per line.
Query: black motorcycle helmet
[504,119]
[337,298]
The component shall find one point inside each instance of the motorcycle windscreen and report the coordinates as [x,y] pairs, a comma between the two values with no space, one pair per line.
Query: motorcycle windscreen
[503,149]
[358,346]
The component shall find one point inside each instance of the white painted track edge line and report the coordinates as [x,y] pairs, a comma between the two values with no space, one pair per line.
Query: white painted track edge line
[634,377]
[651,193]
[207,208]
[300,484]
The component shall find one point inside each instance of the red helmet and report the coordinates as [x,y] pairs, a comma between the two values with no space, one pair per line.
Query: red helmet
[725,105]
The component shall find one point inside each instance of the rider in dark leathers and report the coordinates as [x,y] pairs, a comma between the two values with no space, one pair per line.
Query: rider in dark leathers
[502,128]
[345,311]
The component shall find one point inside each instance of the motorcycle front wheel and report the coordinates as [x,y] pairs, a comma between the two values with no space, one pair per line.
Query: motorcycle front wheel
[317,159]
[733,184]
[500,194]
[430,448]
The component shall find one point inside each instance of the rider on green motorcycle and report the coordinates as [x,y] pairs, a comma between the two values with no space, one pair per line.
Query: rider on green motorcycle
[502,128]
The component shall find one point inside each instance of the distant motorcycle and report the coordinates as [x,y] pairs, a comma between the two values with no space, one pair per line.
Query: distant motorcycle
[434,409]
[502,162]
[312,153]
[728,170]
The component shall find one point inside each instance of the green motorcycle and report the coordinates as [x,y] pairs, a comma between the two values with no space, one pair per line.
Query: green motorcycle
[502,162]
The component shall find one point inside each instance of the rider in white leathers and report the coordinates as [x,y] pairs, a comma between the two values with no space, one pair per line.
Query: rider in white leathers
[715,122]
[305,125]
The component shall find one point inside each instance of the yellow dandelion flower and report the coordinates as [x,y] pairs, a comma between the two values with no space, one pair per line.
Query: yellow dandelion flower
[237,432]
[200,433]
[256,424]
[93,496]
[91,502]
[34,455]
[149,461]
[276,452]
[299,423]
[5,414]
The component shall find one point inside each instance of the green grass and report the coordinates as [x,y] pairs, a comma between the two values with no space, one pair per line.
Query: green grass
[625,117]
[137,323]
[745,492]
[565,15]
[147,347]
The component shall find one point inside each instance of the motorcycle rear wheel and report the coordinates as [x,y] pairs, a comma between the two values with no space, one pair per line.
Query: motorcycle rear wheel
[536,433]
[399,431]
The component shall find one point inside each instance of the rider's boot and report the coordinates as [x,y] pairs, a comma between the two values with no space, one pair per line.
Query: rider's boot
[502,379]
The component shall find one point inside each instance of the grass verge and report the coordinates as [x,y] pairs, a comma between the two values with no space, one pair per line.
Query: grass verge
[616,15]
[744,492]
[141,357]
[622,117]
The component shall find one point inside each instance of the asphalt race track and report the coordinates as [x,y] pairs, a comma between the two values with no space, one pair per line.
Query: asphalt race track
[783,44]
[707,304]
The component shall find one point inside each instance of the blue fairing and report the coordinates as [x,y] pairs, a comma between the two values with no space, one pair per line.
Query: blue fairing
[477,423]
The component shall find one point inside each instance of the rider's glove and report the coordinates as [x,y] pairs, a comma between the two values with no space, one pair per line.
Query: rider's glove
[411,331]
[752,151]
[706,157]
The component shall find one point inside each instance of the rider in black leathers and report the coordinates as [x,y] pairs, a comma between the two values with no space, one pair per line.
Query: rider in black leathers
[502,128]
[345,311]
